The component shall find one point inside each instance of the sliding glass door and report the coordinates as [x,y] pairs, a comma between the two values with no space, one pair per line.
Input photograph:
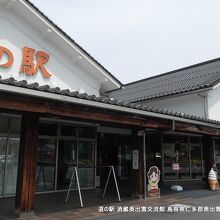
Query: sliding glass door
[189,157]
[62,147]
[66,161]
[9,151]
[11,166]
[3,143]
[46,165]
[86,158]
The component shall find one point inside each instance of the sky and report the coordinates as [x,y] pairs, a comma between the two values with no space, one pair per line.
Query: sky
[135,39]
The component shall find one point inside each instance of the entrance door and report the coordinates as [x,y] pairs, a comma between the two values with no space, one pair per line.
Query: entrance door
[3,144]
[46,165]
[184,172]
[86,158]
[66,161]
[189,158]
[9,152]
[124,158]
[196,162]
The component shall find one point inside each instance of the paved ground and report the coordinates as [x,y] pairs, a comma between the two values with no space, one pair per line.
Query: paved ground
[52,206]
[207,207]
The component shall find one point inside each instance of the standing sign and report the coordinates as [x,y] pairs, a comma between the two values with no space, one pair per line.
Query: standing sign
[135,159]
[153,176]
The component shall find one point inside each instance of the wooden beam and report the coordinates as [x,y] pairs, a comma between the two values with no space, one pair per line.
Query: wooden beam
[189,128]
[27,104]
[25,191]
[98,114]
[81,112]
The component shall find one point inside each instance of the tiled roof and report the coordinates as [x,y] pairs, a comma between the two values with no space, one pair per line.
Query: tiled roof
[199,76]
[47,89]
[73,41]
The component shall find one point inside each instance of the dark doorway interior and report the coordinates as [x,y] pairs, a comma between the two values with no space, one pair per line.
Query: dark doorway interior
[115,150]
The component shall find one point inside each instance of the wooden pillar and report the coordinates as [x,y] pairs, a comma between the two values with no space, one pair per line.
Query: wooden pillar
[208,154]
[25,192]
[138,174]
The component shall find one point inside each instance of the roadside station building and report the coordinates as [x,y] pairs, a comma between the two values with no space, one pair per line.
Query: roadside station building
[57,112]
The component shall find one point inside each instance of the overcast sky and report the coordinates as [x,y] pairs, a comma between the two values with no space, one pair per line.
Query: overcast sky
[135,39]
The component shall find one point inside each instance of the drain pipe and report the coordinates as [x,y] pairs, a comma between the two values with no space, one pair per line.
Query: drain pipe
[173,125]
[205,104]
[145,166]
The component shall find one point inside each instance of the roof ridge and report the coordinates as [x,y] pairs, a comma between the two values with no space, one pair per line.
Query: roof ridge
[172,71]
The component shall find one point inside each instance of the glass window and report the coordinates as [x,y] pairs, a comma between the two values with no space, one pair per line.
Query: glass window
[196,162]
[15,125]
[169,158]
[87,132]
[4,124]
[46,165]
[48,129]
[184,172]
[195,140]
[66,161]
[183,159]
[12,167]
[86,158]
[2,162]
[182,139]
[153,151]
[169,138]
[67,130]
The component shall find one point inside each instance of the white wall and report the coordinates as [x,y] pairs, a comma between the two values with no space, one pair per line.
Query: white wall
[214,103]
[17,32]
[192,104]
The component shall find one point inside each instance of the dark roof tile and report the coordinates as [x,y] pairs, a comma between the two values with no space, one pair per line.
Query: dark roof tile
[46,88]
[199,76]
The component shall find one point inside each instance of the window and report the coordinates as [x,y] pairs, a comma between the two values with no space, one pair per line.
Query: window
[67,130]
[87,132]
[48,129]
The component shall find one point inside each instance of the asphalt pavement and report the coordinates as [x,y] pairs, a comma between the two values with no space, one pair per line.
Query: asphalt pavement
[199,208]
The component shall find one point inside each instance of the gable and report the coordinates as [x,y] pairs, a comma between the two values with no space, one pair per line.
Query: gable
[69,67]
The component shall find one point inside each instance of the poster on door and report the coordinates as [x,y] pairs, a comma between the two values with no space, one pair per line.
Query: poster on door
[135,159]
[153,176]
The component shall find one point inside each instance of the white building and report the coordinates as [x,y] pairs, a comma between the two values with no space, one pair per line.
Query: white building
[191,90]
[23,26]
[53,117]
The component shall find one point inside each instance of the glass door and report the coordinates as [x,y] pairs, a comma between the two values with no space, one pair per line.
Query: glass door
[124,161]
[3,144]
[9,152]
[168,157]
[46,165]
[189,151]
[11,166]
[184,172]
[86,158]
[196,161]
[66,161]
